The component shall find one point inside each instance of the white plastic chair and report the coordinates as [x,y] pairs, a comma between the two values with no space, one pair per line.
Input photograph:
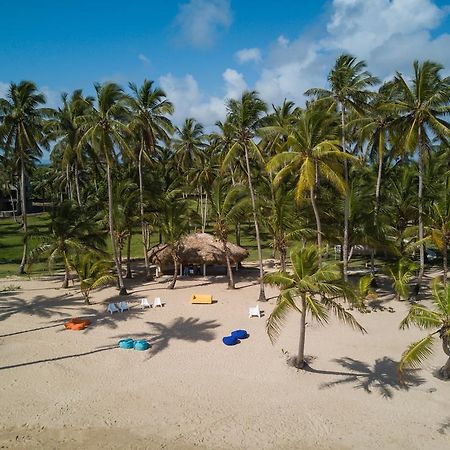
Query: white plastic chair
[157,302]
[254,311]
[123,306]
[112,308]
[144,303]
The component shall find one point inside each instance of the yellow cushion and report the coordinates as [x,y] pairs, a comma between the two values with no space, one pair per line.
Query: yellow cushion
[201,298]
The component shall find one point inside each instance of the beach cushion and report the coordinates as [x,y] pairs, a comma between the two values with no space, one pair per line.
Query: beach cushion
[141,345]
[126,343]
[240,334]
[230,340]
[201,298]
[77,324]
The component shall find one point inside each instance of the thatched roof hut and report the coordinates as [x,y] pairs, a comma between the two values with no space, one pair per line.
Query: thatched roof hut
[197,249]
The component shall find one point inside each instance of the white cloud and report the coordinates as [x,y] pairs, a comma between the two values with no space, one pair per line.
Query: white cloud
[248,54]
[143,58]
[199,21]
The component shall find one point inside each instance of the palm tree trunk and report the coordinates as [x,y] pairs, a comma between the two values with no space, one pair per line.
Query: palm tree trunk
[318,224]
[13,207]
[229,269]
[377,198]
[206,211]
[445,260]
[144,228]
[262,295]
[420,207]
[300,363]
[175,272]
[283,258]
[65,284]
[445,370]
[24,217]
[122,290]
[238,234]
[77,185]
[129,274]
[346,200]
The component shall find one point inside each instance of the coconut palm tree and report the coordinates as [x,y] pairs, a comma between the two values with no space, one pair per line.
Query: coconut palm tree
[70,234]
[150,124]
[22,117]
[349,91]
[437,318]
[189,143]
[105,130]
[311,289]
[421,104]
[311,150]
[245,117]
[228,204]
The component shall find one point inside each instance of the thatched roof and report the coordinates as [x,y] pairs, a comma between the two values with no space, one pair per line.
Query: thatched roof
[197,248]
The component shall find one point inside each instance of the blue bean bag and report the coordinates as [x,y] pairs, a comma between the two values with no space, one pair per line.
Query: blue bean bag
[126,343]
[240,334]
[230,340]
[141,345]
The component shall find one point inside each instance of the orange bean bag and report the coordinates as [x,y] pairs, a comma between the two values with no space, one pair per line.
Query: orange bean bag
[77,324]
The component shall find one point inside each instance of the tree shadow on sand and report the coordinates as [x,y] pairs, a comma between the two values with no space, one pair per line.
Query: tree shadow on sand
[444,426]
[190,329]
[381,376]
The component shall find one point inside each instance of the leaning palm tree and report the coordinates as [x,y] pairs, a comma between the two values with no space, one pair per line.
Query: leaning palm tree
[244,116]
[310,289]
[105,129]
[437,319]
[150,124]
[349,83]
[228,204]
[21,130]
[421,105]
[311,150]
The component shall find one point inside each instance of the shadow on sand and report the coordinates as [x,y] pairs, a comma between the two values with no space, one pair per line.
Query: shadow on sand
[190,329]
[380,377]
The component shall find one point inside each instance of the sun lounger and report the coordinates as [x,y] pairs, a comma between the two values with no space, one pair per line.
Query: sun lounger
[123,306]
[157,302]
[112,308]
[144,303]
[201,298]
[254,311]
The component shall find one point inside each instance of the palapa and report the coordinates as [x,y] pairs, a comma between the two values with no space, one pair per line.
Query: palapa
[197,249]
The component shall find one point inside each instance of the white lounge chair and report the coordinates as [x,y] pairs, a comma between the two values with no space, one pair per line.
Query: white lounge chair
[144,303]
[112,308]
[157,302]
[254,311]
[123,306]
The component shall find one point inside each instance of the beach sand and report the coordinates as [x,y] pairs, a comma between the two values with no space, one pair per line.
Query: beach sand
[68,389]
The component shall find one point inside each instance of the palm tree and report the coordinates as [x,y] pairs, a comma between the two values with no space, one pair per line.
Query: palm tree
[244,116]
[349,83]
[189,143]
[421,105]
[425,318]
[227,206]
[22,118]
[92,273]
[402,272]
[150,124]
[310,289]
[311,150]
[70,234]
[105,129]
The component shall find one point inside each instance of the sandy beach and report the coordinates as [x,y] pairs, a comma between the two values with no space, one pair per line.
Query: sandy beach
[66,389]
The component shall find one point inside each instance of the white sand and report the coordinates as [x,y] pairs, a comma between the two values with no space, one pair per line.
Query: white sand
[66,389]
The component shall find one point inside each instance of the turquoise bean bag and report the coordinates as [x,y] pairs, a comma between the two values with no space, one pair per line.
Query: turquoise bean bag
[126,343]
[141,345]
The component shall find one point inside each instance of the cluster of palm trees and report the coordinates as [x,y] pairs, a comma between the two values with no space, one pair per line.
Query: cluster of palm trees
[362,164]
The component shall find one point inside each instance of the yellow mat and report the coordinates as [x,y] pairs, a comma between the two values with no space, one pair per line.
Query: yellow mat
[201,298]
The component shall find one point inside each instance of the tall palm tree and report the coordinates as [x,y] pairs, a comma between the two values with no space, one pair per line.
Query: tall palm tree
[245,118]
[150,124]
[437,319]
[22,116]
[421,104]
[228,204]
[311,289]
[311,150]
[105,129]
[189,143]
[349,83]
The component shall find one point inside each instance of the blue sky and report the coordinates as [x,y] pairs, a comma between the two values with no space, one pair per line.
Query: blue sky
[205,51]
